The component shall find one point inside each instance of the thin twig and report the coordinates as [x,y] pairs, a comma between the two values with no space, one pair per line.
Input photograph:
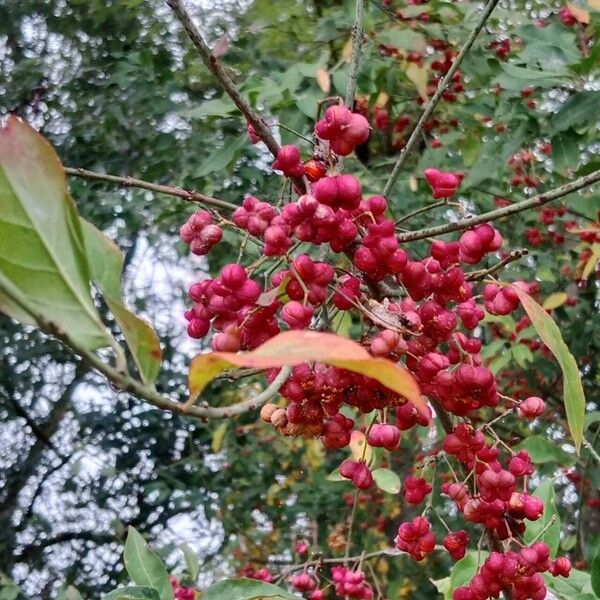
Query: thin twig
[215,67]
[423,209]
[517,207]
[483,273]
[416,133]
[169,190]
[349,559]
[357,39]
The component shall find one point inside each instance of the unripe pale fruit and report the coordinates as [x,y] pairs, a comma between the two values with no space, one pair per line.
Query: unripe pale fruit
[267,411]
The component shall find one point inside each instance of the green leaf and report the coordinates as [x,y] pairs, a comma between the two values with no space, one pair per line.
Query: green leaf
[470,148]
[145,567]
[133,593]
[220,159]
[543,450]
[191,561]
[545,492]
[106,265]
[335,476]
[522,355]
[465,569]
[566,154]
[572,388]
[219,107]
[43,268]
[402,37]
[67,592]
[9,590]
[245,589]
[596,572]
[592,417]
[577,584]
[443,586]
[516,78]
[387,481]
[576,110]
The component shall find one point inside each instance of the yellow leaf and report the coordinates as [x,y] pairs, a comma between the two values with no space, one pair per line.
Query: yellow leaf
[582,15]
[382,99]
[314,454]
[591,263]
[347,51]
[358,442]
[291,348]
[324,80]
[573,396]
[554,300]
[218,435]
[413,183]
[419,76]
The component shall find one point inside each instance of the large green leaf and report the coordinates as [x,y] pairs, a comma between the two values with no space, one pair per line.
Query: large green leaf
[549,332]
[43,268]
[106,265]
[551,535]
[145,567]
[245,589]
[133,592]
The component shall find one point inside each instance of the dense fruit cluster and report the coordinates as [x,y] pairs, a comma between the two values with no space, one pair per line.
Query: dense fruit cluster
[424,311]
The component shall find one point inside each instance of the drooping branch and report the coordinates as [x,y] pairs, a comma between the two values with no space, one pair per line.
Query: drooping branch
[433,102]
[493,215]
[123,381]
[169,190]
[357,39]
[215,67]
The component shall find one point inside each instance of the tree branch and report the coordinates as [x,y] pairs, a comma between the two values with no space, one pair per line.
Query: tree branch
[67,536]
[357,39]
[213,65]
[512,257]
[517,207]
[416,134]
[169,190]
[126,383]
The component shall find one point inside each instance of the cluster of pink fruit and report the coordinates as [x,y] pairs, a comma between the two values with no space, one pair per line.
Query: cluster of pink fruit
[429,322]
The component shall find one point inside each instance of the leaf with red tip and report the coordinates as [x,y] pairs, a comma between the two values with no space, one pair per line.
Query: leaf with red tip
[294,347]
[549,332]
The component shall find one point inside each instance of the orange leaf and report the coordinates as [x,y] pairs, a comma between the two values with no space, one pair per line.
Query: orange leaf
[294,347]
[324,80]
[582,15]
